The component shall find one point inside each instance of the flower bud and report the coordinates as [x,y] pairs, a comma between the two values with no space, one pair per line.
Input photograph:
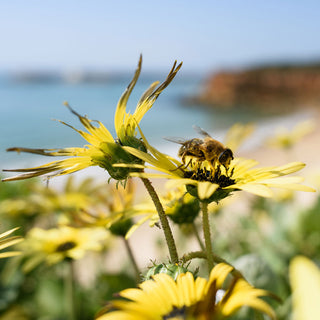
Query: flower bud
[114,153]
[121,227]
[184,210]
[173,270]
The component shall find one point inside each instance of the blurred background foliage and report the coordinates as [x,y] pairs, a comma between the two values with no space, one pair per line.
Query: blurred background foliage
[234,53]
[259,236]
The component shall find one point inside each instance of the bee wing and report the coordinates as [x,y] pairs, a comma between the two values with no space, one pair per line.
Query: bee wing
[201,131]
[176,140]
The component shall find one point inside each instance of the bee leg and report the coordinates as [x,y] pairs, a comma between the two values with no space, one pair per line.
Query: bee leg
[180,167]
[211,164]
[187,165]
[194,175]
[227,171]
[199,174]
[183,165]
[218,170]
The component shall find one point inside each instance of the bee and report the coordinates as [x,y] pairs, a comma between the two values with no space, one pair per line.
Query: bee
[207,149]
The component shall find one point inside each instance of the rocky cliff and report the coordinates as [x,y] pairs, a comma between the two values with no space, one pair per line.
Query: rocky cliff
[272,88]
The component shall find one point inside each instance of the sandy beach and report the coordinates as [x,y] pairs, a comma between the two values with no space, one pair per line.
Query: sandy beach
[306,150]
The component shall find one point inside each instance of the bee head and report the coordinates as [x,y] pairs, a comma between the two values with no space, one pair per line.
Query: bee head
[225,157]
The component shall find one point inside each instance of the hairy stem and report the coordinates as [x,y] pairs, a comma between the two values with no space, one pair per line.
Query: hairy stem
[69,290]
[132,259]
[193,255]
[207,234]
[202,255]
[163,221]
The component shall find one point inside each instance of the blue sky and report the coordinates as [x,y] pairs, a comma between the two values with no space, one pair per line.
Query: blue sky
[206,35]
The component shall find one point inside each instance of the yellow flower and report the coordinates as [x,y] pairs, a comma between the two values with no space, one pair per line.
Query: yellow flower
[188,298]
[237,134]
[46,200]
[285,139]
[116,204]
[8,242]
[54,245]
[179,205]
[208,184]
[103,150]
[305,283]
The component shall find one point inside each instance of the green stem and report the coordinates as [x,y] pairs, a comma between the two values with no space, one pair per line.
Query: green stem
[163,221]
[193,255]
[132,259]
[69,290]
[207,234]
[196,233]
[202,255]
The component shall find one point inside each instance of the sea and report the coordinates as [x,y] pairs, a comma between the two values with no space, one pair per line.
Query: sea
[30,108]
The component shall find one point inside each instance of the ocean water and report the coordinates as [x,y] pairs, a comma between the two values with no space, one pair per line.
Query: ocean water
[28,111]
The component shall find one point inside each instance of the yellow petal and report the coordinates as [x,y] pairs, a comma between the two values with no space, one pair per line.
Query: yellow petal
[137,225]
[206,189]
[243,294]
[9,254]
[219,273]
[305,282]
[150,175]
[243,300]
[185,283]
[148,101]
[282,180]
[10,242]
[169,288]
[291,167]
[296,187]
[257,189]
[237,134]
[122,104]
[200,285]
[6,233]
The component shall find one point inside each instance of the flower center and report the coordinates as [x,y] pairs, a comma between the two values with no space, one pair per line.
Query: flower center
[219,176]
[65,246]
[176,313]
